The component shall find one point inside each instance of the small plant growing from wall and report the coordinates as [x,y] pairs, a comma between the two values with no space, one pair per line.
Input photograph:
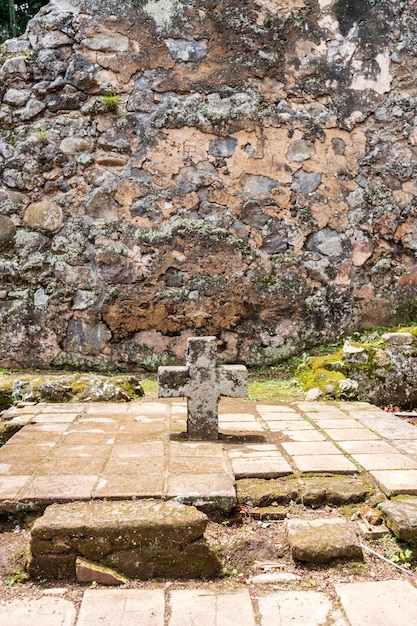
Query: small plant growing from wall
[111,101]
[42,135]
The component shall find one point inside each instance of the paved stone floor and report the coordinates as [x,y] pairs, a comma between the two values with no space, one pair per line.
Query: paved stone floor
[387,603]
[78,451]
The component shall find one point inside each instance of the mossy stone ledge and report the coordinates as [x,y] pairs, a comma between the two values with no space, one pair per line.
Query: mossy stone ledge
[143,539]
[382,371]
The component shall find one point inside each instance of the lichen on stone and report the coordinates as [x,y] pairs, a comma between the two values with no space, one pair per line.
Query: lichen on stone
[382,371]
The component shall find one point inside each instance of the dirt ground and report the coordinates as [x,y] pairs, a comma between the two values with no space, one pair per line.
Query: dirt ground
[248,547]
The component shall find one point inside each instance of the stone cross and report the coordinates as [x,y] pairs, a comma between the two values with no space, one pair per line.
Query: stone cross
[202,383]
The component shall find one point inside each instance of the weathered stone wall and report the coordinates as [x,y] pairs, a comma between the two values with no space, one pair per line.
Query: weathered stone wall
[256,181]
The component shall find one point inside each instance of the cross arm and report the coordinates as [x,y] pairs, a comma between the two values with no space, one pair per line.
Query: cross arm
[233,381]
[173,382]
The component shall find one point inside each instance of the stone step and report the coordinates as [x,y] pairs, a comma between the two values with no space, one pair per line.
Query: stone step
[311,491]
[139,539]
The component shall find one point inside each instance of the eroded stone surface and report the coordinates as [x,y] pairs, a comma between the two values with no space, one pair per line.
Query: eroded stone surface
[250,200]
[323,540]
[202,383]
[260,492]
[382,375]
[401,517]
[388,602]
[89,572]
[310,491]
[206,607]
[140,539]
[335,490]
[71,388]
[42,611]
[123,606]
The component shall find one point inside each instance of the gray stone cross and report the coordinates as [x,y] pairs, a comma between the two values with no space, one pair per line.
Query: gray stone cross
[202,383]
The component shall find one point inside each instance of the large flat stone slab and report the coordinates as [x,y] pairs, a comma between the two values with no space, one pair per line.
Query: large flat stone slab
[401,517]
[44,611]
[110,451]
[386,603]
[396,482]
[140,539]
[388,426]
[129,607]
[206,608]
[331,463]
[301,608]
[384,461]
[260,464]
[323,540]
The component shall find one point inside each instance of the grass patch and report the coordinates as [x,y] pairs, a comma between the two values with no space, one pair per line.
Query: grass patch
[149,386]
[259,389]
[269,389]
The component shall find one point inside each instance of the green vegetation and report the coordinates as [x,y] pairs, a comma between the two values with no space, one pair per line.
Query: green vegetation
[395,553]
[15,14]
[150,387]
[41,134]
[403,558]
[111,101]
[268,389]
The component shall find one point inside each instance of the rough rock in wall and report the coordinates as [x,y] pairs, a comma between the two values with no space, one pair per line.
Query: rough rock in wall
[186,167]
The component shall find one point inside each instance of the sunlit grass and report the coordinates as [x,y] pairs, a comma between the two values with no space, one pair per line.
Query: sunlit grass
[274,389]
[150,387]
[259,389]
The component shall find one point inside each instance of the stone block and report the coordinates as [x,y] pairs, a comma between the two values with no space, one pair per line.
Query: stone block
[261,492]
[401,517]
[268,513]
[140,539]
[323,540]
[396,482]
[338,490]
[88,572]
[7,231]
[45,216]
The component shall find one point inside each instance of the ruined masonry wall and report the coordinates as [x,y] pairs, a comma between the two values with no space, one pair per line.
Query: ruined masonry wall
[254,180]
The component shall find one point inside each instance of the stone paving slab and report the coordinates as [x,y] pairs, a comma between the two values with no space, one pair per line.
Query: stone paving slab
[314,447]
[267,467]
[384,461]
[396,482]
[301,608]
[205,608]
[332,463]
[386,603]
[304,435]
[122,607]
[106,450]
[386,425]
[45,611]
